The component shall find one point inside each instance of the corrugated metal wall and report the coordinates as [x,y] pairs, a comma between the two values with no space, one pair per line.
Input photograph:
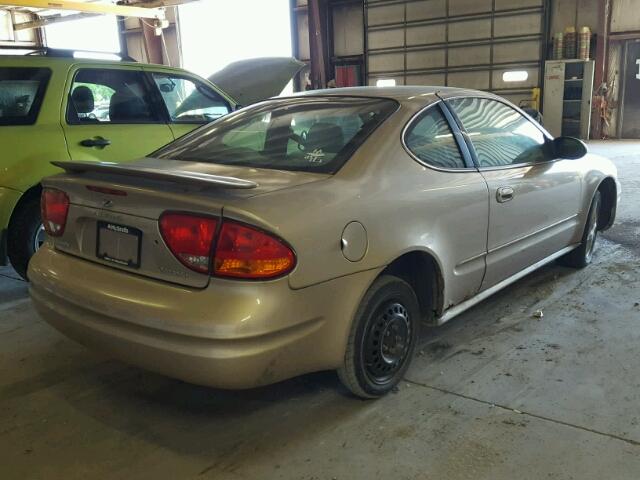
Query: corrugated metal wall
[462,43]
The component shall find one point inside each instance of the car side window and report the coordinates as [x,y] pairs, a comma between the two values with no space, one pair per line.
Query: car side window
[21,94]
[110,96]
[500,134]
[189,101]
[430,138]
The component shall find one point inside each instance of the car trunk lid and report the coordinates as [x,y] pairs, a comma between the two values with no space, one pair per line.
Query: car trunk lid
[115,209]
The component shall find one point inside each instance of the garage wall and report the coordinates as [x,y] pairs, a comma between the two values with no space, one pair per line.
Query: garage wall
[577,13]
[625,16]
[133,39]
[461,43]
[625,28]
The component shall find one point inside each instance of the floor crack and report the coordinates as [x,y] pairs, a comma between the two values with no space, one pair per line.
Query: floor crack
[635,443]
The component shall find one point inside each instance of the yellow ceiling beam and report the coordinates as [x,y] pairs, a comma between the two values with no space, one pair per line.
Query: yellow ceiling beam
[88,7]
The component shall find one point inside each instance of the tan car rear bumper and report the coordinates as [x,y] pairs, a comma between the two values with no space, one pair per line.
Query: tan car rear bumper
[230,335]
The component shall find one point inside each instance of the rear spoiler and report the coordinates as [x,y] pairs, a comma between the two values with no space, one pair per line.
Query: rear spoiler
[174,176]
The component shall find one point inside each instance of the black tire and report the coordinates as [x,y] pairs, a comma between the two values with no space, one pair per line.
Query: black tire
[23,229]
[582,255]
[374,367]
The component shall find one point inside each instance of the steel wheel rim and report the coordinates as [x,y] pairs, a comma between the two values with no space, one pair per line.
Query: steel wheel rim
[592,233]
[386,342]
[39,237]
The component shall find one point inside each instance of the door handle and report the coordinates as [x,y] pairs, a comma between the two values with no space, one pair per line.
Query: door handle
[504,194]
[95,142]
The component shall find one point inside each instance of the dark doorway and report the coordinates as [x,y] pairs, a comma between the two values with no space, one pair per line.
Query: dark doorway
[631,91]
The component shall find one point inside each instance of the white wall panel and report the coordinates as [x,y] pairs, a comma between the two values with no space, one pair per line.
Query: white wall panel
[6,26]
[426,79]
[512,4]
[426,59]
[467,7]
[426,10]
[347,30]
[386,39]
[625,15]
[518,25]
[426,34]
[476,80]
[516,52]
[386,62]
[477,55]
[469,30]
[378,15]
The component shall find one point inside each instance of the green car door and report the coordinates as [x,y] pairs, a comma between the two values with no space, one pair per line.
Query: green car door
[112,113]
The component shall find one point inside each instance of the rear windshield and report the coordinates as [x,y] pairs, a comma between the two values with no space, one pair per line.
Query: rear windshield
[309,134]
[21,93]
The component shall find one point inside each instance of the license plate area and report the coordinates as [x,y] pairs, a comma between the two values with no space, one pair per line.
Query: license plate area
[119,244]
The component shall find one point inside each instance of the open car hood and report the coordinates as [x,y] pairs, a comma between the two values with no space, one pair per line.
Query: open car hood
[250,81]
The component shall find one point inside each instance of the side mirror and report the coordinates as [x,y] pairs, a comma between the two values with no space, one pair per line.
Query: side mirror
[569,148]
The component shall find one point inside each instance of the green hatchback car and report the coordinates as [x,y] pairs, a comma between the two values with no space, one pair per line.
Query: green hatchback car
[59,107]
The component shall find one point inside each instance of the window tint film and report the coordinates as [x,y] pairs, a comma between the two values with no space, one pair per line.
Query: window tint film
[110,96]
[314,134]
[431,140]
[501,135]
[21,94]
[189,101]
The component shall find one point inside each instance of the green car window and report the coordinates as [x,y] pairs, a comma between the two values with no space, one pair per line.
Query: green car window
[188,101]
[110,96]
[21,94]
[316,134]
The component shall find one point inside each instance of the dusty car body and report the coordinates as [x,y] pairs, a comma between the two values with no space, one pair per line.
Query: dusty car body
[411,228]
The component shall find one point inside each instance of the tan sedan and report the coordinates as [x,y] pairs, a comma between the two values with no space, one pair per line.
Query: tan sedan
[314,232]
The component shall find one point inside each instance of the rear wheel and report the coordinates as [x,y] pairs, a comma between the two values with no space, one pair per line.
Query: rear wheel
[581,256]
[382,338]
[26,234]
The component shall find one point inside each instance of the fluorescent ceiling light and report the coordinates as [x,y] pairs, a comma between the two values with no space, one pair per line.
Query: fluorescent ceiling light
[386,82]
[515,76]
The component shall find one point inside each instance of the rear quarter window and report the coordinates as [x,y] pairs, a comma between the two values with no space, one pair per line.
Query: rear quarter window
[21,94]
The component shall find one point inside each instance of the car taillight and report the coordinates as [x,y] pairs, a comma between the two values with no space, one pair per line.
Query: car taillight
[239,251]
[190,239]
[54,207]
[245,252]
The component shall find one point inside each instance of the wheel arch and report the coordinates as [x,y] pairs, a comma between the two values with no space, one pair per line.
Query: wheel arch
[423,272]
[29,194]
[609,198]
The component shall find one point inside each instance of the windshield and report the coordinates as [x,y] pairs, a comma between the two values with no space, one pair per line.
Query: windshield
[310,134]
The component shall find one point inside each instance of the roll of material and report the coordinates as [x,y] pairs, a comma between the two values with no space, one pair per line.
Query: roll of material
[558,46]
[584,43]
[570,42]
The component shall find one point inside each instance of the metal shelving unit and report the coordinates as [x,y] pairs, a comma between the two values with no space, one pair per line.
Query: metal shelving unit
[568,88]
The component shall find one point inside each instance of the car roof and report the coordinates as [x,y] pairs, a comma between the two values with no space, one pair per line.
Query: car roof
[46,60]
[405,93]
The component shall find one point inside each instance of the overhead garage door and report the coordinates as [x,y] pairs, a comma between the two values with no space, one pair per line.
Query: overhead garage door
[461,43]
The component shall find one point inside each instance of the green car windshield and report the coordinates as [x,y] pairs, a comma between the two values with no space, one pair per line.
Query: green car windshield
[309,134]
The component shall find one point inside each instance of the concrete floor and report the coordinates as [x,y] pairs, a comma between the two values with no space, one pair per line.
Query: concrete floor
[495,394]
